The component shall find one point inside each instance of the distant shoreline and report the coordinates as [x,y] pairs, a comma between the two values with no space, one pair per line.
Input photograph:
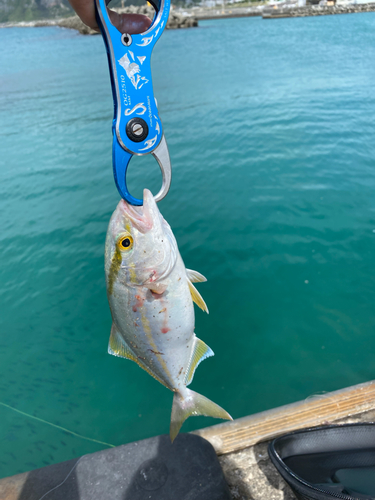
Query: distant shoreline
[182,19]
[227,13]
[267,12]
[176,20]
[317,10]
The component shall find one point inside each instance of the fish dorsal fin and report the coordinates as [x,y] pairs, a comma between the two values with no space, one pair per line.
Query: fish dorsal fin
[200,352]
[197,297]
[118,347]
[195,277]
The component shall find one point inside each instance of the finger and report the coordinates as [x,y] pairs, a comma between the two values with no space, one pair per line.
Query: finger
[125,23]
[129,23]
[86,11]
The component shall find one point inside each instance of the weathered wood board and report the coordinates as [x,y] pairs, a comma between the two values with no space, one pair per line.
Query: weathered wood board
[317,410]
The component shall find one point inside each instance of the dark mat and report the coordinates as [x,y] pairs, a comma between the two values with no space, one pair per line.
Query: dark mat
[152,469]
[329,462]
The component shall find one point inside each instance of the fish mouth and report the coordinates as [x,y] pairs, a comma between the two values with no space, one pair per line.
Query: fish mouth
[142,217]
[163,252]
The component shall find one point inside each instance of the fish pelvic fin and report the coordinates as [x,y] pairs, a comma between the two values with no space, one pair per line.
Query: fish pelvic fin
[197,297]
[192,403]
[200,352]
[118,347]
[195,277]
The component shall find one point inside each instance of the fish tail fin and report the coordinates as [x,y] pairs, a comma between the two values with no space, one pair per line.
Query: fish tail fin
[191,403]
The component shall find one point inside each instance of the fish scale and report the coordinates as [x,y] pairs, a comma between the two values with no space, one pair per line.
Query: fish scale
[150,293]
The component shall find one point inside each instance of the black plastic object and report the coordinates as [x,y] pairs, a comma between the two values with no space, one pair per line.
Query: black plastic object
[130,126]
[153,469]
[328,462]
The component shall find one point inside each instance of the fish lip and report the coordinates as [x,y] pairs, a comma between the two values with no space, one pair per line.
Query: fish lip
[140,217]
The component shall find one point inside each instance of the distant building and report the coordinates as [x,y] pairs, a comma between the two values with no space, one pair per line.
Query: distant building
[214,3]
[321,2]
[341,2]
[208,3]
[286,3]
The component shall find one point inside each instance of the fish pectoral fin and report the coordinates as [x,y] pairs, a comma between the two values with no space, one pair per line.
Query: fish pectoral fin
[195,277]
[197,297]
[200,352]
[118,347]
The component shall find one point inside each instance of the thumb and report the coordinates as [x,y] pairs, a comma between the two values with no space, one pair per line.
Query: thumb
[129,23]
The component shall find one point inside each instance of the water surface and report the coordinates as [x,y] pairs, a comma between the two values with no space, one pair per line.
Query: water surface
[270,127]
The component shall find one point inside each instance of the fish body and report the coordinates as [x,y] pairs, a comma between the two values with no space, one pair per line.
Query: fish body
[151,295]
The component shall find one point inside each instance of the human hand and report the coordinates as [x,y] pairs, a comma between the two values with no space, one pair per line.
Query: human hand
[125,23]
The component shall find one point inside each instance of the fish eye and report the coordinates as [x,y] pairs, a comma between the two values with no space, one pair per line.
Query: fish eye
[125,242]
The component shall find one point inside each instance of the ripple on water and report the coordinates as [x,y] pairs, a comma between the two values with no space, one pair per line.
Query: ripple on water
[272,144]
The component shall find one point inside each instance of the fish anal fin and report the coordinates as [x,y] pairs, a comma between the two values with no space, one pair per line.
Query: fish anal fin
[118,347]
[200,352]
[150,372]
[197,297]
[195,277]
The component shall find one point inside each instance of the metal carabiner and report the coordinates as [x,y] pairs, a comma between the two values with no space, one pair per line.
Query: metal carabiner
[137,128]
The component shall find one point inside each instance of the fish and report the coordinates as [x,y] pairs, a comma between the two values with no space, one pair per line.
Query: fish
[151,295]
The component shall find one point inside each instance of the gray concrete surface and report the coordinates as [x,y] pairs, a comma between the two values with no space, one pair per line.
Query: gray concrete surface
[251,475]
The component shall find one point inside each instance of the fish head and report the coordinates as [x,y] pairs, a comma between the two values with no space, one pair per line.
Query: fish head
[140,246]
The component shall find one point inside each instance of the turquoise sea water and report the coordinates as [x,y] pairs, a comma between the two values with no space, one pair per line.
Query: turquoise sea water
[270,126]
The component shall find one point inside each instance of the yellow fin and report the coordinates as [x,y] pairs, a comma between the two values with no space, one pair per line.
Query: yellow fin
[200,352]
[118,347]
[195,277]
[190,404]
[197,297]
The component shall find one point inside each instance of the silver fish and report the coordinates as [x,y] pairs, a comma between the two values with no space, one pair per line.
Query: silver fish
[151,294]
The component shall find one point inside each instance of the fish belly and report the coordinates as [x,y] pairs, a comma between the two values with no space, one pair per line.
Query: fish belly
[159,329]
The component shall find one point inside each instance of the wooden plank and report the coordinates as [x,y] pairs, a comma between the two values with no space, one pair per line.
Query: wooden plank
[317,410]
